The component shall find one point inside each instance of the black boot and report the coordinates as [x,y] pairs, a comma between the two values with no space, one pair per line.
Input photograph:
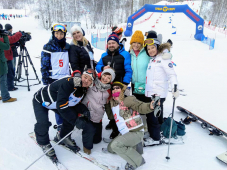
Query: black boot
[67,142]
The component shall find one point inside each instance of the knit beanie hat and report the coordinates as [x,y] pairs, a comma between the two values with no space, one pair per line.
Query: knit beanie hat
[77,28]
[117,30]
[137,37]
[8,27]
[117,83]
[1,27]
[113,37]
[111,71]
[91,73]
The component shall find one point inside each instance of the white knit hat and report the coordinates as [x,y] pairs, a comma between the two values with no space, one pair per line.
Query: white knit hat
[77,28]
[111,71]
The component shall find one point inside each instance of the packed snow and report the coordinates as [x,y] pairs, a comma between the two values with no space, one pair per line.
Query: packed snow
[201,73]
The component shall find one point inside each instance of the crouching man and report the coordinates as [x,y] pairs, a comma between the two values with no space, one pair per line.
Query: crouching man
[62,96]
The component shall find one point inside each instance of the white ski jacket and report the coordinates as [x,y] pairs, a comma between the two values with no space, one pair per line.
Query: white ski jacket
[159,72]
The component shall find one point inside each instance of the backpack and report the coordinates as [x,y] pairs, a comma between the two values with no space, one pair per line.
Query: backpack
[165,128]
[178,128]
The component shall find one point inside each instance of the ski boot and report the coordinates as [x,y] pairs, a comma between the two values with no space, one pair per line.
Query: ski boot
[51,154]
[130,167]
[151,142]
[67,142]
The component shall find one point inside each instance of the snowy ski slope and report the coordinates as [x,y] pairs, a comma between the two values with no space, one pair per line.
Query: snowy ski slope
[201,73]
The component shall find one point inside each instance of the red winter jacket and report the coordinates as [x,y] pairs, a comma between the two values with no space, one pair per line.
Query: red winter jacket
[12,39]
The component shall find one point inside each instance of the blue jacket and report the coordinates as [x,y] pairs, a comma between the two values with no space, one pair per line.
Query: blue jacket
[120,62]
[51,46]
[139,66]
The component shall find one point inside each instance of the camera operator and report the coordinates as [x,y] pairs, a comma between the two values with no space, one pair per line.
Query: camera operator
[4,45]
[9,28]
[9,56]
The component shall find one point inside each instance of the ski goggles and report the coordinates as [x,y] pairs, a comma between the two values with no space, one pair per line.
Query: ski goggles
[150,41]
[90,72]
[58,27]
[118,30]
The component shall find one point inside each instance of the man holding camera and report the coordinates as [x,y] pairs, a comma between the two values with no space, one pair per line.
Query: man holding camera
[9,28]
[4,45]
[9,56]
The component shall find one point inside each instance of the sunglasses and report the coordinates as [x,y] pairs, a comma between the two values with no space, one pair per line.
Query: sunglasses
[58,27]
[150,41]
[117,87]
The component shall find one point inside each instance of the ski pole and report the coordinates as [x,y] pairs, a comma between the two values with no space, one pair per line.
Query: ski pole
[49,149]
[175,89]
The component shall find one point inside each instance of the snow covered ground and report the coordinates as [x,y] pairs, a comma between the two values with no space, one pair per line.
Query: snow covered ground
[201,73]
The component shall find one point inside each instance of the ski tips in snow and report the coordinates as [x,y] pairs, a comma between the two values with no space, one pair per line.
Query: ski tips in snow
[222,157]
[54,160]
[91,159]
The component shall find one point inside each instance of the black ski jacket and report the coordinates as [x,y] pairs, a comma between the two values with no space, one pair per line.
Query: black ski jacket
[79,57]
[59,92]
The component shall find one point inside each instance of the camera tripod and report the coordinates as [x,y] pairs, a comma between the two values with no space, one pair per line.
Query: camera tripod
[23,59]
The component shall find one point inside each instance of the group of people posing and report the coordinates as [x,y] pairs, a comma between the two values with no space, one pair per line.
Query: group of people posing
[80,91]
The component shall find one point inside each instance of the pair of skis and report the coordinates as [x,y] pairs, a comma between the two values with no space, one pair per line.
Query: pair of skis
[206,125]
[60,166]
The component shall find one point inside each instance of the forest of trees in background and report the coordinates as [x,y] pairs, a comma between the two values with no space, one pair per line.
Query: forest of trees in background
[105,12]
[216,11]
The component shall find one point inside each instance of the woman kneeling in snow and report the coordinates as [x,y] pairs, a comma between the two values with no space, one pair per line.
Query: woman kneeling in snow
[126,114]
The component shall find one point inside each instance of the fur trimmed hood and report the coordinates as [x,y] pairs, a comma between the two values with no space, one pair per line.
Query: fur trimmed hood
[164,46]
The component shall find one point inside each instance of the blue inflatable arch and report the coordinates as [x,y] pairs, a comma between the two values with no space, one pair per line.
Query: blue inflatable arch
[167,9]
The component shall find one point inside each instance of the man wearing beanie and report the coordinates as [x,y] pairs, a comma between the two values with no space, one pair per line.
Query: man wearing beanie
[120,60]
[5,96]
[117,58]
[9,56]
[9,28]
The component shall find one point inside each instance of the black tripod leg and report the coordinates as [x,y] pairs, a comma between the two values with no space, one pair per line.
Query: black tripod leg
[26,68]
[19,64]
[29,58]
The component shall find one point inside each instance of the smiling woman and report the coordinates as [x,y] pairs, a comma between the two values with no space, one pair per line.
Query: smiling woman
[80,53]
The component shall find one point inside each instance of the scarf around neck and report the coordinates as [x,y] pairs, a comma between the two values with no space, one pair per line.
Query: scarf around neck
[100,86]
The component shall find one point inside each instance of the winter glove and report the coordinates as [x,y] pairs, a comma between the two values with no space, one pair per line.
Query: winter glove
[156,105]
[76,73]
[80,123]
[82,111]
[127,92]
[85,115]
[175,94]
